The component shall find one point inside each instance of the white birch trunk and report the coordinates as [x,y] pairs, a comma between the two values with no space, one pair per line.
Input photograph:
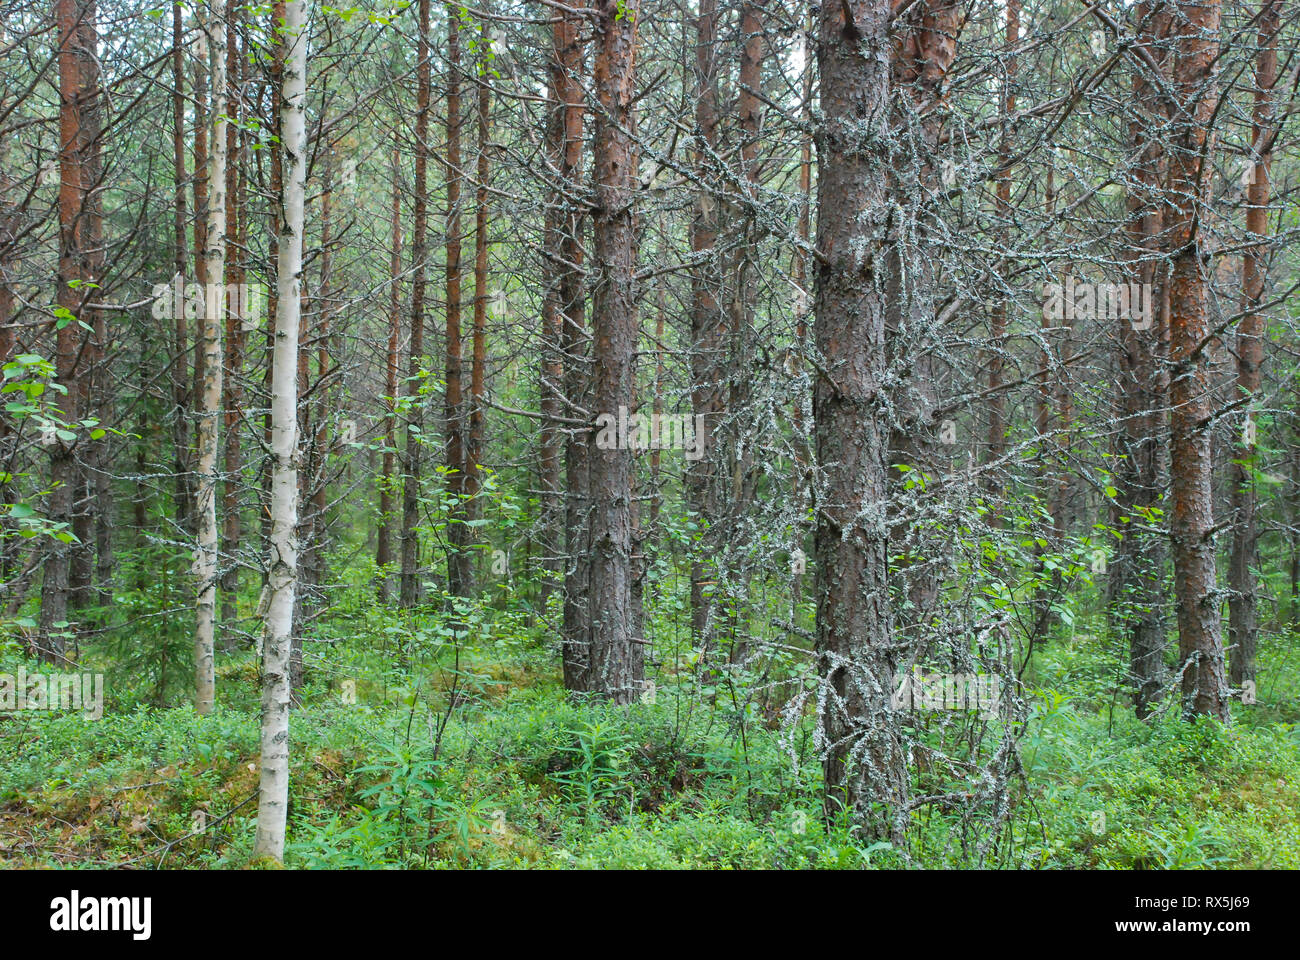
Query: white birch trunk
[205,558]
[273,799]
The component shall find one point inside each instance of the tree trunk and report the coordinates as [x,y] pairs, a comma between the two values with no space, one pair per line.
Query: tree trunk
[1135,579]
[273,795]
[1200,641]
[458,560]
[859,735]
[616,667]
[207,543]
[182,490]
[236,233]
[96,388]
[1243,620]
[998,425]
[384,547]
[576,647]
[802,303]
[551,371]
[51,644]
[924,46]
[474,449]
[708,329]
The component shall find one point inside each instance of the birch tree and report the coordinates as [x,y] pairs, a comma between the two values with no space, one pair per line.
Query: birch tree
[214,255]
[282,562]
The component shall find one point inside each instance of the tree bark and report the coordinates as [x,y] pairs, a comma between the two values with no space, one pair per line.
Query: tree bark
[998,424]
[478,363]
[182,491]
[236,233]
[97,513]
[458,561]
[1243,619]
[860,737]
[1195,32]
[708,328]
[207,542]
[51,644]
[1135,579]
[273,794]
[576,645]
[384,547]
[551,369]
[616,666]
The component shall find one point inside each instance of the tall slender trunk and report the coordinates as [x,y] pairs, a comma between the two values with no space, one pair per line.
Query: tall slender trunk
[924,46]
[236,233]
[8,340]
[384,547]
[303,592]
[273,792]
[708,326]
[1046,594]
[51,643]
[740,456]
[865,766]
[998,425]
[551,370]
[207,542]
[1243,622]
[1195,31]
[410,576]
[1135,579]
[314,423]
[616,666]
[274,227]
[478,364]
[89,245]
[802,303]
[202,118]
[98,512]
[182,492]
[458,560]
[576,647]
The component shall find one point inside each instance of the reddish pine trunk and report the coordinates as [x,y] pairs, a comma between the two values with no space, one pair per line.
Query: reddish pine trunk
[1200,641]
[865,766]
[96,395]
[1135,579]
[55,586]
[1243,621]
[616,666]
[474,449]
[578,447]
[458,560]
[410,577]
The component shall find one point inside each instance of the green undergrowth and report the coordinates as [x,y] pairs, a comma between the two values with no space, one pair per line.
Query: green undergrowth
[413,751]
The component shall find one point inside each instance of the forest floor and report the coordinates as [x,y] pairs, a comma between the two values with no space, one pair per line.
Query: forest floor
[520,776]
